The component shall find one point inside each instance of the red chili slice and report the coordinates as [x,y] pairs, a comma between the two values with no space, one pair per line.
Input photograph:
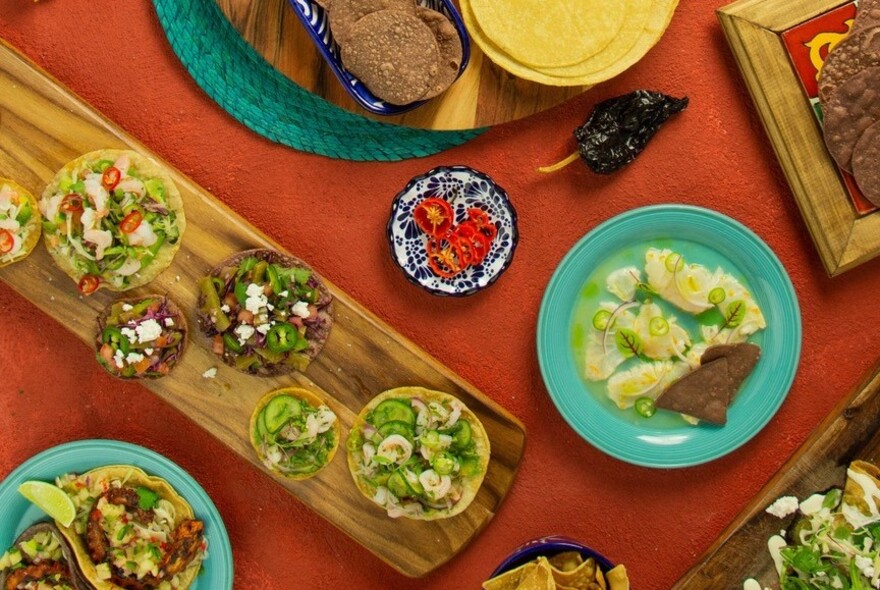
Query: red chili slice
[483,223]
[434,217]
[131,222]
[7,241]
[444,258]
[111,178]
[89,284]
[481,245]
[71,203]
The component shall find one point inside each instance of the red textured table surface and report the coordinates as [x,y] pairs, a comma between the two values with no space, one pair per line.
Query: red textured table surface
[333,214]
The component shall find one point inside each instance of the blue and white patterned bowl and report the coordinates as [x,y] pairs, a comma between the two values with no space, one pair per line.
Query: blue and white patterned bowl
[463,188]
[317,24]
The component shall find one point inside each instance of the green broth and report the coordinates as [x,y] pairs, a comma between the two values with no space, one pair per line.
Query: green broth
[594,292]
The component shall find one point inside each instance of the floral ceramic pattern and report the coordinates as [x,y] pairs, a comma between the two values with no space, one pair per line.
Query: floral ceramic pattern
[315,20]
[463,188]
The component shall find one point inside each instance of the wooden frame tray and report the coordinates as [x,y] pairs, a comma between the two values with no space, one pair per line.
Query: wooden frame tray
[43,126]
[754,28]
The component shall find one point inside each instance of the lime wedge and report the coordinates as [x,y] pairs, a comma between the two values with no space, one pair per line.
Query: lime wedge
[50,499]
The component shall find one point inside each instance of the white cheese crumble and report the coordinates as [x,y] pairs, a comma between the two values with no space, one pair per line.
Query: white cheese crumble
[301,309]
[244,331]
[127,307]
[130,334]
[224,308]
[784,506]
[148,331]
[169,322]
[134,357]
[264,328]
[119,359]
[256,300]
[210,373]
[148,351]
[866,565]
[283,294]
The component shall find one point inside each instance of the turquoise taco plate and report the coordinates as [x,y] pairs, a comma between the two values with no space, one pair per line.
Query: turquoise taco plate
[16,513]
[702,236]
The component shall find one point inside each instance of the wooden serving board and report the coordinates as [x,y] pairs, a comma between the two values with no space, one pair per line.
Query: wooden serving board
[851,431]
[43,126]
[484,95]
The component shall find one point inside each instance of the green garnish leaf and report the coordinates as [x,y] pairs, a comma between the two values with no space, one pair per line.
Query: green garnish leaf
[832,499]
[147,498]
[735,314]
[628,342]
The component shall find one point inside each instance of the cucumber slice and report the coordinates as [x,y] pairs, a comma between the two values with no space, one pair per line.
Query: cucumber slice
[397,485]
[394,410]
[402,428]
[461,438]
[262,431]
[279,411]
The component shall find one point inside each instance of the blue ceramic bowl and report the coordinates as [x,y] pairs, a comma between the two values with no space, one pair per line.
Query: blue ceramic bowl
[317,24]
[548,547]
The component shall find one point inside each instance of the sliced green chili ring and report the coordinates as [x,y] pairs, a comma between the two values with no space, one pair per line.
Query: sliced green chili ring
[600,320]
[282,338]
[674,262]
[218,284]
[443,463]
[717,295]
[231,342]
[113,336]
[658,326]
[646,407]
[274,279]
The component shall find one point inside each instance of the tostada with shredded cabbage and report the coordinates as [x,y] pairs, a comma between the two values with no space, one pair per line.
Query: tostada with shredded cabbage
[265,312]
[418,453]
[112,219]
[294,432]
[132,530]
[20,225]
[140,337]
[40,559]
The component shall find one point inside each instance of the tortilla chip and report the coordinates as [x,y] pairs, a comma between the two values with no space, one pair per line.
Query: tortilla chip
[618,579]
[860,494]
[600,579]
[566,561]
[540,578]
[703,393]
[510,580]
[578,577]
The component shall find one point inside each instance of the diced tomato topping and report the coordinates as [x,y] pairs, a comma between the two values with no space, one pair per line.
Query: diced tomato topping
[7,241]
[89,284]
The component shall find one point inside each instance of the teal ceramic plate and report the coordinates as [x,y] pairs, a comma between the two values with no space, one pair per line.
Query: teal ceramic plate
[702,236]
[16,513]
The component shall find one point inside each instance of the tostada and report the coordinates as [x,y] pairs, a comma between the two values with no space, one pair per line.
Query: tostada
[40,559]
[132,530]
[19,222]
[112,219]
[418,453]
[266,313]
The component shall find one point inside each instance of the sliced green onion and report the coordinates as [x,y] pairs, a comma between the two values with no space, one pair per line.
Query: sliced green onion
[600,320]
[717,295]
[646,407]
[674,262]
[658,326]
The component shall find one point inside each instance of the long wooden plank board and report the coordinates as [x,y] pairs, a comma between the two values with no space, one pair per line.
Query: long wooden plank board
[42,126]
[851,431]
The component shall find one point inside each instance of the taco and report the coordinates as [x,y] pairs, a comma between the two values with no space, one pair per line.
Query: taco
[418,453]
[266,313]
[861,495]
[294,433]
[40,558]
[140,337]
[113,219]
[20,225]
[132,531]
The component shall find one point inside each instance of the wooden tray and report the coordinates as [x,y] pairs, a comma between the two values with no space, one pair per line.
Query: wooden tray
[754,30]
[484,95]
[851,431]
[42,126]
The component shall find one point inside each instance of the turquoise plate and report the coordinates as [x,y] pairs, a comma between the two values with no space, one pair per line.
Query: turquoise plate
[16,513]
[665,441]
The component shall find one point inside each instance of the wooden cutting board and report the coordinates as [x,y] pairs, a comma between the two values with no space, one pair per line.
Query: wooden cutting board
[851,431]
[484,95]
[42,126]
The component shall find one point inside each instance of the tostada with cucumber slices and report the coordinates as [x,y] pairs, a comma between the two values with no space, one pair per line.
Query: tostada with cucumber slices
[418,453]
[40,559]
[265,312]
[140,337]
[132,530]
[20,225]
[112,219]
[294,433]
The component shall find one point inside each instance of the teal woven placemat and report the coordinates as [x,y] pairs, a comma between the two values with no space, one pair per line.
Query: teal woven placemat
[269,103]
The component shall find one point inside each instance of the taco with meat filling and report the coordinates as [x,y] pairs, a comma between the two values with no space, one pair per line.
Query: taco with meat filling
[20,225]
[112,219]
[40,559]
[418,453]
[266,313]
[132,531]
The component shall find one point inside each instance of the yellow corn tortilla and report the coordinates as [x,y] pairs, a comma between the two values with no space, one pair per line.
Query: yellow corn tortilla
[578,577]
[31,230]
[130,476]
[147,168]
[618,578]
[566,561]
[539,33]
[588,72]
[302,394]
[510,580]
[540,578]
[478,434]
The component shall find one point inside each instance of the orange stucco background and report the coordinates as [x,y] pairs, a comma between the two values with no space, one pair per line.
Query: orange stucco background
[333,214]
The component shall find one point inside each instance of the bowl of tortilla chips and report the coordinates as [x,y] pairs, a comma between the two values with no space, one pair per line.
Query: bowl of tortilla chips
[557,563]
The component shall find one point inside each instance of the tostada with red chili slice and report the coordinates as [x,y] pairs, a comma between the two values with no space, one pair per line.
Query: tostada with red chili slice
[453,231]
[266,313]
[19,222]
[140,337]
[112,219]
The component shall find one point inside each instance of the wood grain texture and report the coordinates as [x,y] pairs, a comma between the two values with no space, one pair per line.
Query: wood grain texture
[484,95]
[42,126]
[753,29]
[849,432]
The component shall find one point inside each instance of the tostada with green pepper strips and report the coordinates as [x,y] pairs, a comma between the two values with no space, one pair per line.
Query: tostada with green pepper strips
[140,337]
[294,433]
[265,312]
[418,453]
[112,219]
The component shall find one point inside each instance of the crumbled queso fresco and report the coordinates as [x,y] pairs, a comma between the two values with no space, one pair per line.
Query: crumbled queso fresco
[148,331]
[210,373]
[784,506]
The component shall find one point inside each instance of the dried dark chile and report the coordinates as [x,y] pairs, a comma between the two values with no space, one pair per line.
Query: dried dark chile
[619,129]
